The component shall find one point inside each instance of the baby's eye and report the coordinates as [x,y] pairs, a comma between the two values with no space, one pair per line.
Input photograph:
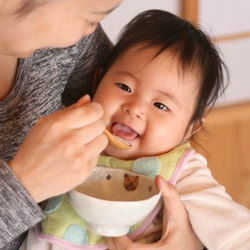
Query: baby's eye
[124,87]
[161,106]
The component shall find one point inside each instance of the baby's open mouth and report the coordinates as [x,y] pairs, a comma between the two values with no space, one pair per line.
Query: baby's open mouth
[123,132]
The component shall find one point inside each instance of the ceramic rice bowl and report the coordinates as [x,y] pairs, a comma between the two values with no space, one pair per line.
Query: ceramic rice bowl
[112,200]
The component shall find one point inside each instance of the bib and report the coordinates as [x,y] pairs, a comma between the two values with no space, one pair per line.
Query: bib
[64,227]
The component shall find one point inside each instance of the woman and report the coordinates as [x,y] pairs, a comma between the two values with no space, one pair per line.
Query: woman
[47,54]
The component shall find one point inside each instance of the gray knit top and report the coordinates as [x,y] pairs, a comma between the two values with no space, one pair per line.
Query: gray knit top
[40,83]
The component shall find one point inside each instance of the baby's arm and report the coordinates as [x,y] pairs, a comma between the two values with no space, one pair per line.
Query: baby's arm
[219,222]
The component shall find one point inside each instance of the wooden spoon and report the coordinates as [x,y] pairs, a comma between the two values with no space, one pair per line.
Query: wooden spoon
[114,142]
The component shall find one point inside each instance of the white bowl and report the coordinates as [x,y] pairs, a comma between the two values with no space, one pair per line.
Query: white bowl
[105,204]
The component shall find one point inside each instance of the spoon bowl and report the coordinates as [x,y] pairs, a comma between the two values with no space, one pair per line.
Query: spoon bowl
[115,142]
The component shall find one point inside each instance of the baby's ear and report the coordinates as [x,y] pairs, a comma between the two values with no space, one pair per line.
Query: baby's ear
[194,128]
[198,125]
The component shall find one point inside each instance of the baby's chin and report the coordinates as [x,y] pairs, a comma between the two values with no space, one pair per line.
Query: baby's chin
[129,154]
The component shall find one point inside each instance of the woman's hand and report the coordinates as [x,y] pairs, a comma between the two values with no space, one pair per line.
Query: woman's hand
[61,150]
[177,231]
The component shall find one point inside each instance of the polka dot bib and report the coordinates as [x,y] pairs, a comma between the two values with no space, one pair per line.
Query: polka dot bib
[64,227]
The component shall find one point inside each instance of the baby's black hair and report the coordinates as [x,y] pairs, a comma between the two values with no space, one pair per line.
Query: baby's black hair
[192,47]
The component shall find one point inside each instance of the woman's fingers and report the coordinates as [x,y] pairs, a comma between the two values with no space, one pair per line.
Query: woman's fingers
[122,243]
[176,223]
[173,209]
[73,117]
[61,150]
[177,231]
[82,101]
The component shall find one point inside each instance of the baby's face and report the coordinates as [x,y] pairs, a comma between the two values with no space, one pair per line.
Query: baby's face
[147,102]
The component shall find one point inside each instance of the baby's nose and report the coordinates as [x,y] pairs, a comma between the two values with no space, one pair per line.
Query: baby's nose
[134,110]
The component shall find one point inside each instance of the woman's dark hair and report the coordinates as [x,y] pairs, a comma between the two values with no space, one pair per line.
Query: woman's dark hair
[192,46]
